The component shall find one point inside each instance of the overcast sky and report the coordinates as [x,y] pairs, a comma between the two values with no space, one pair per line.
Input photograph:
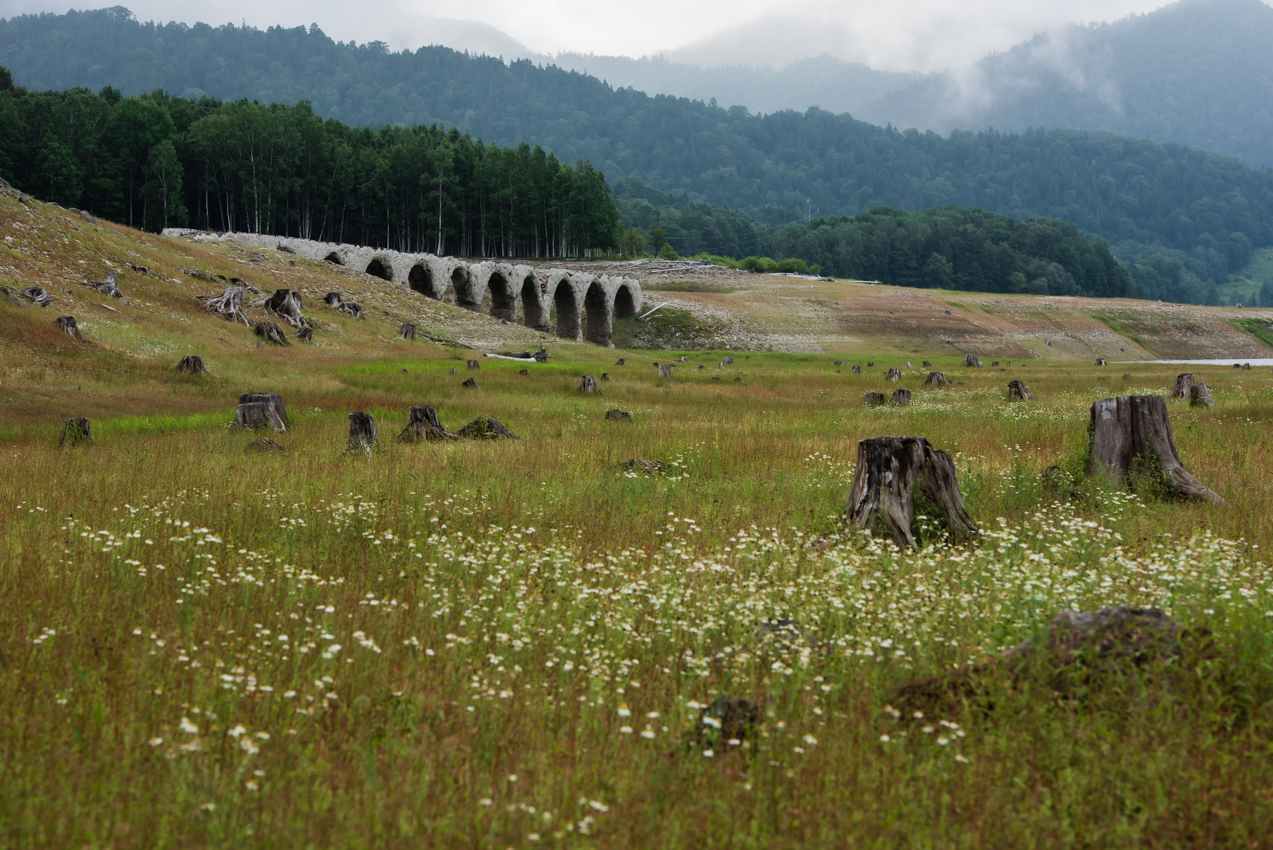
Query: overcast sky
[922,35]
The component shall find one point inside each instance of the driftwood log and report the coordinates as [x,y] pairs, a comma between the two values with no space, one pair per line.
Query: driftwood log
[1017,391]
[901,397]
[228,305]
[1200,396]
[469,383]
[275,402]
[473,364]
[665,370]
[1183,383]
[618,416]
[937,379]
[891,472]
[588,384]
[407,331]
[872,398]
[270,332]
[37,295]
[362,432]
[69,327]
[893,374]
[11,296]
[192,364]
[485,428]
[287,303]
[257,414]
[423,425]
[1129,437]
[76,431]
[972,360]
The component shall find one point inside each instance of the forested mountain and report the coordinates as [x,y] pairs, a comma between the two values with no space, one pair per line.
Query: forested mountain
[153,161]
[1199,211]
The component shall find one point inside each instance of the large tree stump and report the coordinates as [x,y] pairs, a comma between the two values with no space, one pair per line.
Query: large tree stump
[257,414]
[485,428]
[228,305]
[856,370]
[1129,437]
[1200,396]
[588,384]
[70,327]
[333,299]
[926,364]
[287,303]
[270,332]
[108,287]
[728,361]
[872,399]
[1183,382]
[76,431]
[423,425]
[972,360]
[192,364]
[891,472]
[305,334]
[937,379]
[407,331]
[39,296]
[618,416]
[901,397]
[665,371]
[1017,391]
[275,402]
[1100,361]
[1246,367]
[473,364]
[893,374]
[605,376]
[362,432]
[469,383]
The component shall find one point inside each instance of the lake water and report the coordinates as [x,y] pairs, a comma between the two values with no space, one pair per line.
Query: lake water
[1266,361]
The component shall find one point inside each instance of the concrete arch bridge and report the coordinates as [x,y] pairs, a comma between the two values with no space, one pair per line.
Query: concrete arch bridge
[574,305]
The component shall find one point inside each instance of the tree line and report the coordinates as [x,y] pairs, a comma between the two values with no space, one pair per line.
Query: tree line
[154,161]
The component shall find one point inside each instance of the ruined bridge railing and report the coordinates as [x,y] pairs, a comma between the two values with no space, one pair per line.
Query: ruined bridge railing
[556,301]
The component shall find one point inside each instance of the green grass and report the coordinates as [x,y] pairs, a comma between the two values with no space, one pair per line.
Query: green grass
[1121,327]
[1258,328]
[470,628]
[1244,284]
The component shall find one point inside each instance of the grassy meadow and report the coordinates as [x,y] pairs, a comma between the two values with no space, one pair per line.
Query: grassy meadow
[511,644]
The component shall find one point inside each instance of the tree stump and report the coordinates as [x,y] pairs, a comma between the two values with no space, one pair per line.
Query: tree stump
[469,383]
[473,364]
[857,370]
[485,428]
[257,414]
[274,400]
[76,431]
[1017,392]
[1200,396]
[619,362]
[1246,367]
[972,360]
[454,371]
[870,363]
[1100,361]
[937,379]
[1183,383]
[287,303]
[228,305]
[1130,436]
[69,327]
[305,334]
[738,379]
[901,397]
[891,472]
[618,416]
[423,425]
[683,359]
[337,302]
[872,399]
[362,432]
[192,364]
[270,332]
[643,465]
[264,446]
[926,364]
[893,374]
[588,384]
[665,371]
[407,331]
[605,376]
[333,299]
[541,356]
[728,361]
[108,287]
[994,363]
[525,372]
[838,363]
[12,297]
[701,367]
[1127,376]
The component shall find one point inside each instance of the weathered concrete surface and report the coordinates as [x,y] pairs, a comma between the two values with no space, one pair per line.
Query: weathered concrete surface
[575,305]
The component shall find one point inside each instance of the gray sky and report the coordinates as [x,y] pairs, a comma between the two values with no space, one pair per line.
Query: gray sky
[922,35]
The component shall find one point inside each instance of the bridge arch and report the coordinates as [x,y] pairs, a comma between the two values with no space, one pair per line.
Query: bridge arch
[567,307]
[379,268]
[597,311]
[533,313]
[333,258]
[625,303]
[420,279]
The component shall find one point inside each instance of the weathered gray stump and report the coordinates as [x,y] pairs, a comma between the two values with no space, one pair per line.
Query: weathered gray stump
[738,379]
[1127,376]
[287,303]
[588,384]
[937,379]
[1200,396]
[305,334]
[270,332]
[76,431]
[838,363]
[407,331]
[890,472]
[683,359]
[1246,367]
[352,310]
[69,327]
[257,414]
[618,416]
[525,372]
[473,364]
[108,287]
[994,363]
[39,296]
[857,370]
[901,397]
[1100,361]
[893,374]
[972,360]
[541,356]
[423,425]
[1132,434]
[333,299]
[1183,383]
[1017,391]
[192,364]
[871,399]
[362,432]
[605,376]
[907,364]
[870,363]
[485,428]
[665,371]
[12,297]
[728,361]
[228,305]
[469,383]
[619,362]
[926,364]
[274,400]
[454,371]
